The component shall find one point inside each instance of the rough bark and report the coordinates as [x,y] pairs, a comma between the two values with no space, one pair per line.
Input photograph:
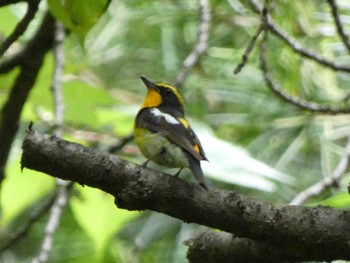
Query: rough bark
[311,233]
[218,247]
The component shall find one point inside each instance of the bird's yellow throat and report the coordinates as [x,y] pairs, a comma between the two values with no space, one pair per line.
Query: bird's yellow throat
[153,99]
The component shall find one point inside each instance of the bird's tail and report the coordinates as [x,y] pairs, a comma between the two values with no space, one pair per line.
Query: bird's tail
[196,170]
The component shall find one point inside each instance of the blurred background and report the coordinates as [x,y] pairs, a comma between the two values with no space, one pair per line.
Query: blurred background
[258,145]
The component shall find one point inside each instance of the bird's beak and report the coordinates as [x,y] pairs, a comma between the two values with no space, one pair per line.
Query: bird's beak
[149,84]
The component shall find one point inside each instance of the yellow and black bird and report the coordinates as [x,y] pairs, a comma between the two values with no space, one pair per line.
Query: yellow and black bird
[162,133]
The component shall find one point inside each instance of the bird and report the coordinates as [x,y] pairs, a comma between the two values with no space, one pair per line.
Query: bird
[163,134]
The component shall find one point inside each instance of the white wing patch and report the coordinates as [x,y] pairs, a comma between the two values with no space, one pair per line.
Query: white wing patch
[168,118]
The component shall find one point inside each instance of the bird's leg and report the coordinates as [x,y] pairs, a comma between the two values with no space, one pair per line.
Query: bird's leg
[145,163]
[178,172]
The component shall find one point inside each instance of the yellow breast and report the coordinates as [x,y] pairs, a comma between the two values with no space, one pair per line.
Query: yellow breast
[159,149]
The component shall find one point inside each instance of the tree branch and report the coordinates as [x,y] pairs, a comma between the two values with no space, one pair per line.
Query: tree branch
[121,143]
[22,231]
[297,47]
[330,181]
[56,85]
[213,247]
[201,45]
[31,61]
[54,221]
[248,50]
[279,91]
[322,231]
[36,48]
[63,187]
[338,24]
[21,27]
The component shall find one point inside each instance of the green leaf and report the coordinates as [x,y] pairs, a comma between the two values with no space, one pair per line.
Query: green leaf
[78,15]
[21,189]
[82,100]
[341,200]
[58,11]
[41,94]
[98,216]
[8,21]
[120,119]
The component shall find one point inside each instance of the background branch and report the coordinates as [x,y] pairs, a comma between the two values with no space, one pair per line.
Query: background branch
[248,50]
[31,62]
[21,27]
[121,143]
[62,186]
[339,24]
[201,45]
[56,85]
[213,247]
[53,222]
[23,230]
[138,188]
[279,91]
[297,47]
[11,62]
[327,182]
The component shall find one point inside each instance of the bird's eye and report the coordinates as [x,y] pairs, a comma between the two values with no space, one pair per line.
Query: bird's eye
[168,91]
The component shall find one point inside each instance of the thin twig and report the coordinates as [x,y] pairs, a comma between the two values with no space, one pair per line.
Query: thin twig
[53,222]
[56,86]
[201,45]
[330,181]
[248,50]
[297,47]
[62,186]
[279,91]
[339,25]
[335,177]
[21,27]
[22,231]
[121,143]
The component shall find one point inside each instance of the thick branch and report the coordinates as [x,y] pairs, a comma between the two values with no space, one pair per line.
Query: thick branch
[32,59]
[319,230]
[33,56]
[215,246]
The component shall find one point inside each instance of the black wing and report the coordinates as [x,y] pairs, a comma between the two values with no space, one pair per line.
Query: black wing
[175,129]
